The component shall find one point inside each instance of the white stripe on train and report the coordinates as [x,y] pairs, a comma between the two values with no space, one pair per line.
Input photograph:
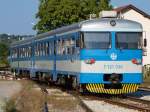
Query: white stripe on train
[81,66]
[99,67]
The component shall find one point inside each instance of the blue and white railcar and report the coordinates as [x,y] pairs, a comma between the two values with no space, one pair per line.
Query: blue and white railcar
[21,57]
[101,55]
[111,58]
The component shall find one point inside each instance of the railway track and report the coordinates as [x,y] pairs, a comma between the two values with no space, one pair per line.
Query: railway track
[132,103]
[144,89]
[128,102]
[134,106]
[139,100]
[45,92]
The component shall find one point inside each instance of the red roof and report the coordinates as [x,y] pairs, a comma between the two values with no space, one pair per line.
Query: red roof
[119,9]
[126,8]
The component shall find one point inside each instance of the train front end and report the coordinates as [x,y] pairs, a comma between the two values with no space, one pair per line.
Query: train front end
[111,56]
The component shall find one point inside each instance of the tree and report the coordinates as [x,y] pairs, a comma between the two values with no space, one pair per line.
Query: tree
[56,13]
[104,5]
[3,54]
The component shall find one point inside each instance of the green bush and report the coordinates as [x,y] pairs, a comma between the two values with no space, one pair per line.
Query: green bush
[10,106]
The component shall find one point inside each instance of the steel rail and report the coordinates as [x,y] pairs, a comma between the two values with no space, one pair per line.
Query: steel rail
[144,108]
[144,89]
[127,105]
[138,100]
[81,103]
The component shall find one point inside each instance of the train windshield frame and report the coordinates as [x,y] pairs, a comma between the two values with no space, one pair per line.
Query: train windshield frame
[129,40]
[96,40]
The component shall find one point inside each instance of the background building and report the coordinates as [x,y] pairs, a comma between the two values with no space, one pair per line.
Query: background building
[8,39]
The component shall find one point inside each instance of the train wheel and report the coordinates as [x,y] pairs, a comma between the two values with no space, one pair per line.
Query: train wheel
[68,82]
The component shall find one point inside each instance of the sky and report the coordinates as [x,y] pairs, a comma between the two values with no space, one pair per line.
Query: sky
[18,16]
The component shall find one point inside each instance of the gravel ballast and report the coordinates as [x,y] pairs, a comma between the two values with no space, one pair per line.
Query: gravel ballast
[101,106]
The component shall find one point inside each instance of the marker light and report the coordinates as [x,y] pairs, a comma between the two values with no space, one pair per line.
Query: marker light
[90,61]
[134,61]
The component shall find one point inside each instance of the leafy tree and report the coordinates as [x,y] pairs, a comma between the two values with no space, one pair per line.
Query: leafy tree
[104,5]
[56,13]
[5,42]
[3,54]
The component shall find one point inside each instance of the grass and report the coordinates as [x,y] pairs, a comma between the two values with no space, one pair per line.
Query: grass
[31,99]
[146,80]
[27,100]
[10,106]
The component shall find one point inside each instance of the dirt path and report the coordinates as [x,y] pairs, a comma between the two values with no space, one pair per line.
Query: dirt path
[7,89]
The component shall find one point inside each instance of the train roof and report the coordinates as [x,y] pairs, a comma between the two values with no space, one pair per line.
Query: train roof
[101,24]
[22,42]
[111,24]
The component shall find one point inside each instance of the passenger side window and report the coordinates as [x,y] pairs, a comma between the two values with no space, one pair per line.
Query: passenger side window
[59,46]
[30,51]
[47,48]
[78,42]
[40,49]
[66,45]
[15,53]
[35,50]
[50,48]
[44,49]
[63,47]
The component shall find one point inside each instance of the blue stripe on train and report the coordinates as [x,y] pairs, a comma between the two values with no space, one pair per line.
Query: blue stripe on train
[104,55]
[98,78]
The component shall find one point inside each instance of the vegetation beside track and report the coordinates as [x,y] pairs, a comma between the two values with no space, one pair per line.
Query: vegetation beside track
[146,82]
[27,100]
[60,99]
[31,98]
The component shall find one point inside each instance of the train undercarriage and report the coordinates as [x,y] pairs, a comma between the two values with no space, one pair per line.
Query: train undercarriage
[69,82]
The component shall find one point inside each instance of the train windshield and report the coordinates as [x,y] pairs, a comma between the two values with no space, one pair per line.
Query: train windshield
[129,40]
[97,40]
